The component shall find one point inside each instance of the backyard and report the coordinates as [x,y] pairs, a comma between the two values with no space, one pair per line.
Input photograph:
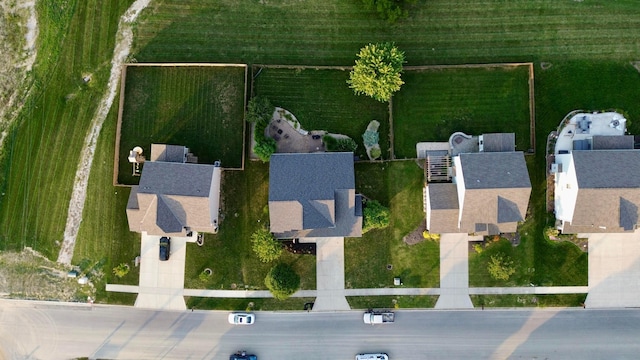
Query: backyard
[434,103]
[322,100]
[200,107]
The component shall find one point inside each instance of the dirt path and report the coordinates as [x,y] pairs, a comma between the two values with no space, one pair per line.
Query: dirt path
[124,38]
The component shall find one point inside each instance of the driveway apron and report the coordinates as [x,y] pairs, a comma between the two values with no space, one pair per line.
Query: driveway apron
[454,272]
[330,275]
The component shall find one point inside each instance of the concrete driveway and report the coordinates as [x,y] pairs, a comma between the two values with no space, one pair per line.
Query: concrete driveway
[454,272]
[161,283]
[614,270]
[330,275]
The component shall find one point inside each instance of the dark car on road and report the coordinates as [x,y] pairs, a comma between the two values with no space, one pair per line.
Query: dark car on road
[165,248]
[242,355]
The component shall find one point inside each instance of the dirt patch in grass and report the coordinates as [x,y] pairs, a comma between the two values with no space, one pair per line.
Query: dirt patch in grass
[415,236]
[29,275]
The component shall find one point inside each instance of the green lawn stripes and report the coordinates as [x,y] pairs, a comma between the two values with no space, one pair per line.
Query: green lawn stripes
[322,100]
[201,107]
[434,103]
[436,32]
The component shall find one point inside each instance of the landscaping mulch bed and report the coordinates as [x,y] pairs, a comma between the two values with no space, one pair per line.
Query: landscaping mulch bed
[415,236]
[581,243]
[299,248]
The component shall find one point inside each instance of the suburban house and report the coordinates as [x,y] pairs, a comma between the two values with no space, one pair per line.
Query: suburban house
[313,195]
[480,185]
[596,174]
[175,197]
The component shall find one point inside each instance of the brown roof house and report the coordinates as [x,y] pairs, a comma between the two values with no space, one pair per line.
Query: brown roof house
[313,195]
[488,193]
[175,198]
[596,170]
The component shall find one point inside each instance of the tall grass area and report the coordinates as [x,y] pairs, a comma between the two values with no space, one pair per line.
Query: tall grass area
[322,100]
[397,185]
[43,150]
[200,107]
[436,31]
[435,103]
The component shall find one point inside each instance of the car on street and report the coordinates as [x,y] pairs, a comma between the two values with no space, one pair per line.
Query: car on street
[165,248]
[242,355]
[242,318]
[373,356]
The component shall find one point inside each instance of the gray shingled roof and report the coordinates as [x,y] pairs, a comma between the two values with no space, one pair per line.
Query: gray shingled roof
[312,176]
[495,170]
[611,142]
[499,142]
[176,179]
[443,196]
[607,168]
[321,183]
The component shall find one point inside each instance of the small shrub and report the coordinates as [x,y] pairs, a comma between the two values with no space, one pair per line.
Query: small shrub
[330,143]
[203,276]
[430,236]
[265,245]
[259,109]
[282,281]
[478,248]
[121,270]
[376,216]
[551,231]
[501,267]
[375,152]
[347,144]
[265,148]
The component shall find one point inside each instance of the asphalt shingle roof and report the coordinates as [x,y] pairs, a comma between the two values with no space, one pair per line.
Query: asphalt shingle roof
[607,168]
[495,170]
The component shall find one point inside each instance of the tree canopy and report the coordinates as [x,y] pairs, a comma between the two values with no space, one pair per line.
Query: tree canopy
[265,245]
[377,71]
[282,281]
[376,216]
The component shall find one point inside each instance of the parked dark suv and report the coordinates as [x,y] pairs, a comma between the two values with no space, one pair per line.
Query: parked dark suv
[165,248]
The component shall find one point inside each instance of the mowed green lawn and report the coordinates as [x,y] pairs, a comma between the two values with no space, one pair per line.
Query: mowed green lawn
[437,31]
[42,152]
[397,185]
[434,103]
[322,100]
[200,107]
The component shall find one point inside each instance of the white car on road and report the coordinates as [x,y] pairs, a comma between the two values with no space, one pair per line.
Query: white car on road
[378,356]
[242,318]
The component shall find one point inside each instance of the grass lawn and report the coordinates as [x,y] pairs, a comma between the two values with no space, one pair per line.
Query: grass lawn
[391,302]
[42,151]
[437,31]
[435,103]
[229,253]
[201,107]
[259,304]
[398,185]
[528,300]
[322,100]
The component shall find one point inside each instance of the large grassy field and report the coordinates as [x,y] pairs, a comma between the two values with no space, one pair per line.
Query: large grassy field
[437,31]
[434,103]
[43,149]
[322,100]
[200,107]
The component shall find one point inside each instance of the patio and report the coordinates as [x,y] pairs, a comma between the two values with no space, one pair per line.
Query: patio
[291,140]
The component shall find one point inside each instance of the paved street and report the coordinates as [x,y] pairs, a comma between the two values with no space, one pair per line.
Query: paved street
[37,330]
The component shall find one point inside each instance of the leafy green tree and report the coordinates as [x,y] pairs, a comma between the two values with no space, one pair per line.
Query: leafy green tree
[264,148]
[377,71]
[265,245]
[501,267]
[390,10]
[282,281]
[376,216]
[259,109]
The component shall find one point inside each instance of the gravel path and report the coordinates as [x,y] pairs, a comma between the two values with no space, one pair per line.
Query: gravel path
[124,38]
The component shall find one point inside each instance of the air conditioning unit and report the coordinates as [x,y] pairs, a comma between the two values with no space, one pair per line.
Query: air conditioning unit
[556,168]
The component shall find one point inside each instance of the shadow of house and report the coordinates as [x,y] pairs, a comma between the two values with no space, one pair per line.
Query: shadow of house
[313,195]
[174,197]
[489,193]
